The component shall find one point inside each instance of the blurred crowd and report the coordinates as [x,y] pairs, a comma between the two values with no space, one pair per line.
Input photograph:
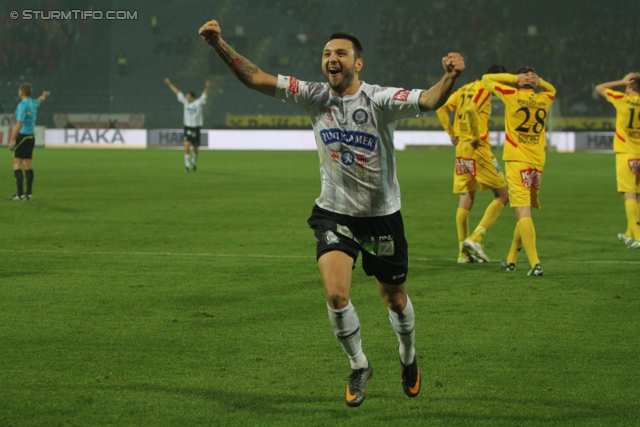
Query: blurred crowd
[39,46]
[574,46]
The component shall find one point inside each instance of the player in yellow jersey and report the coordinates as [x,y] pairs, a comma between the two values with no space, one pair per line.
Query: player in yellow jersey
[626,144]
[525,117]
[474,163]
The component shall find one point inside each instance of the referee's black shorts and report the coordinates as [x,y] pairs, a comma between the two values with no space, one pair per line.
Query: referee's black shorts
[23,149]
[380,239]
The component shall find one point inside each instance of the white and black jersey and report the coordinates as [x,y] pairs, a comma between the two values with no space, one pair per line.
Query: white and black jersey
[193,110]
[354,135]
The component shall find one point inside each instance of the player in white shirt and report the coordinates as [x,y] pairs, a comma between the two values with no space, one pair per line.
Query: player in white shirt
[358,210]
[192,121]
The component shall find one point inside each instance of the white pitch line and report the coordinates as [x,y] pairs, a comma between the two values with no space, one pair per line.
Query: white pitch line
[214,255]
[210,255]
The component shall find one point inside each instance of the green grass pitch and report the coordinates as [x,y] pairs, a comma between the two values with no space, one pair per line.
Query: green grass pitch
[135,294]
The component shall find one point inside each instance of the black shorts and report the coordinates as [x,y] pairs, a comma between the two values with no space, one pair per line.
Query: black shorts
[23,149]
[192,134]
[380,239]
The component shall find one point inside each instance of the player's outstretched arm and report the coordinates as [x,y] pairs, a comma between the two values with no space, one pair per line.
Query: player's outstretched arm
[436,97]
[44,95]
[207,86]
[171,86]
[244,70]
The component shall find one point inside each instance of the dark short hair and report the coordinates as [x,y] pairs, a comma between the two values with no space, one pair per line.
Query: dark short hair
[635,84]
[26,89]
[192,93]
[526,69]
[357,46]
[496,69]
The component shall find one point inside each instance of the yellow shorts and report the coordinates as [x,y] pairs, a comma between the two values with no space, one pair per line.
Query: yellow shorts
[475,166]
[524,183]
[628,172]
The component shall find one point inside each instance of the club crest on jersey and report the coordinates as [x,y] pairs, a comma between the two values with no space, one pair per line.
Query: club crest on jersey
[331,238]
[360,116]
[347,158]
[350,138]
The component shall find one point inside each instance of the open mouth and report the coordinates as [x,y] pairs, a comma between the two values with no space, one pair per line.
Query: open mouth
[334,71]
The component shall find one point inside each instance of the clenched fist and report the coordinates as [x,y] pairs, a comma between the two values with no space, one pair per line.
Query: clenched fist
[210,32]
[453,64]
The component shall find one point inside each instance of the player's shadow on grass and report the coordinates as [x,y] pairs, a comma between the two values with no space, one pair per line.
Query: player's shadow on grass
[265,403]
[424,407]
[6,275]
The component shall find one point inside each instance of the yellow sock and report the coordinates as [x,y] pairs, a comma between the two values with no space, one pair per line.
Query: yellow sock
[489,218]
[516,244]
[631,206]
[528,233]
[462,222]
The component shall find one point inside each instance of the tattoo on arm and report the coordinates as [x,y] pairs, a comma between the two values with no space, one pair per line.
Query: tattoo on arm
[242,68]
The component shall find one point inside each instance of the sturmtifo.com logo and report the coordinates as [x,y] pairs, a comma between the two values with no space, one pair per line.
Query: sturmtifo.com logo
[120,15]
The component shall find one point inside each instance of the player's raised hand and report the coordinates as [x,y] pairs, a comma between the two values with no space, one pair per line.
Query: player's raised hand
[629,78]
[207,84]
[210,32]
[167,81]
[528,80]
[453,64]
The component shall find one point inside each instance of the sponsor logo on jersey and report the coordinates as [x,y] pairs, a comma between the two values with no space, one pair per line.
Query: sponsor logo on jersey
[634,166]
[294,85]
[465,166]
[531,178]
[350,138]
[360,116]
[401,95]
[331,238]
[347,158]
[531,103]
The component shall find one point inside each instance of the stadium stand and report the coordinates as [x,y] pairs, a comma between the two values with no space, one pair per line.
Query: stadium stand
[403,44]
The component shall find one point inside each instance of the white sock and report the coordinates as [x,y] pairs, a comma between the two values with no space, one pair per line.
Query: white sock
[187,163]
[404,326]
[194,159]
[346,328]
